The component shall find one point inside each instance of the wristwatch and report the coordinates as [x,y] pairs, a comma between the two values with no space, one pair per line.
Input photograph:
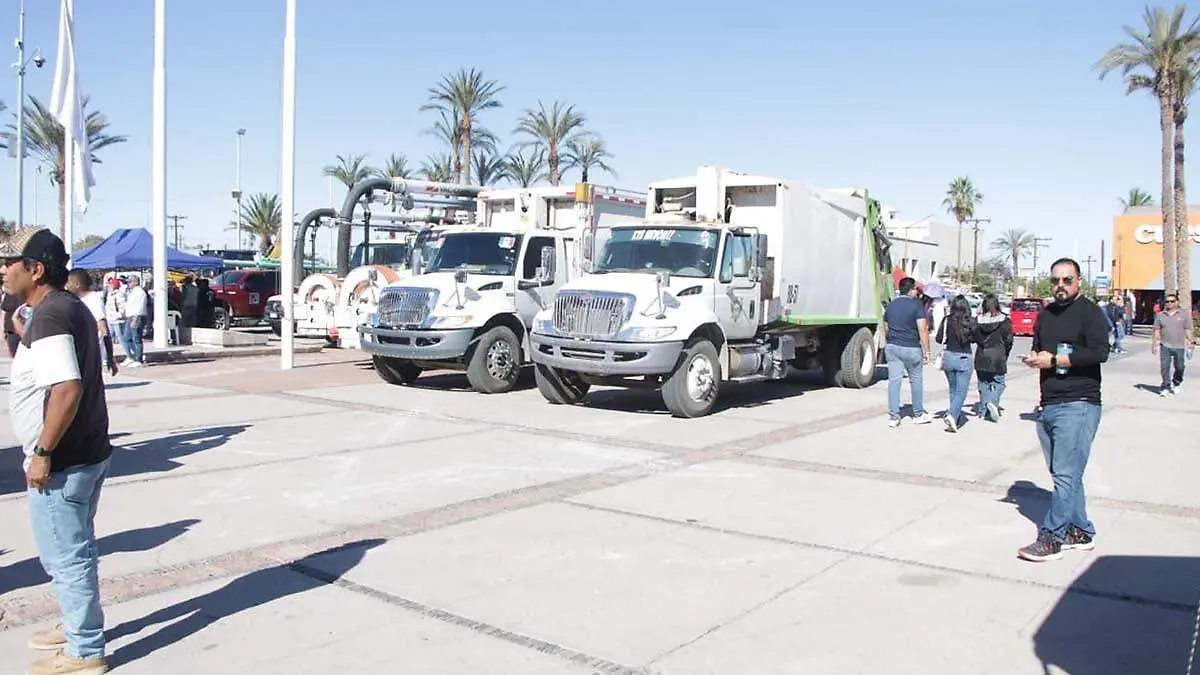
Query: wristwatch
[39,451]
[1054,360]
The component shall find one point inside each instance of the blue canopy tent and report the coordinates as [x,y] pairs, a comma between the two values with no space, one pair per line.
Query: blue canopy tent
[133,249]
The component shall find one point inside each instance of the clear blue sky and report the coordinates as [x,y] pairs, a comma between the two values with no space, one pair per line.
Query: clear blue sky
[898,97]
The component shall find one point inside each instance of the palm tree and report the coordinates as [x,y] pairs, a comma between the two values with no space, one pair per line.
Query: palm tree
[460,98]
[1012,245]
[349,170]
[44,140]
[1135,199]
[437,169]
[489,167]
[587,152]
[395,167]
[1184,81]
[550,130]
[1149,63]
[960,202]
[525,171]
[261,216]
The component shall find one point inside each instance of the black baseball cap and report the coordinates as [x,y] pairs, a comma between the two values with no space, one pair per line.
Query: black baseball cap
[35,243]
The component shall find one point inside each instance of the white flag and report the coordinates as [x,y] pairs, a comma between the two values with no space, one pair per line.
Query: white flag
[67,106]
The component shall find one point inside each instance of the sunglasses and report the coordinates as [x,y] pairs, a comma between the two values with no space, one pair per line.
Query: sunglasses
[1062,281]
[1171,300]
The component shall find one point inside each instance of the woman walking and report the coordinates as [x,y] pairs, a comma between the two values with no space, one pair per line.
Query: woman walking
[957,332]
[994,342]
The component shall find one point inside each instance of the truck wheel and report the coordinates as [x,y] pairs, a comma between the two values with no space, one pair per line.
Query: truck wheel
[395,371]
[560,387]
[691,390]
[222,318]
[858,360]
[494,363]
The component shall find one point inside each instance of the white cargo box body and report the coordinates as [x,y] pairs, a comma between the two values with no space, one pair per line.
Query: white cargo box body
[821,262]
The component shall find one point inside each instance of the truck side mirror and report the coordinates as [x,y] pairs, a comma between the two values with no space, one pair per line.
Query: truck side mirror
[545,273]
[759,266]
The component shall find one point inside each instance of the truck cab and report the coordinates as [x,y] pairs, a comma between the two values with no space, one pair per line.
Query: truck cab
[480,286]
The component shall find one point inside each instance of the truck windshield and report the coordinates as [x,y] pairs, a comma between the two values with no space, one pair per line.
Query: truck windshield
[477,252]
[685,252]
[389,253]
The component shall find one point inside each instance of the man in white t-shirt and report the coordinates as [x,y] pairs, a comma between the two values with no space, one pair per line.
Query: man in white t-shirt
[137,307]
[79,282]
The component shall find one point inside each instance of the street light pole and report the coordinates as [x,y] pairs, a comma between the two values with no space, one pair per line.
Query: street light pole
[975,252]
[237,188]
[21,66]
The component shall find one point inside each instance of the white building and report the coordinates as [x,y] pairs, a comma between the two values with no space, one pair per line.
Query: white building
[943,236]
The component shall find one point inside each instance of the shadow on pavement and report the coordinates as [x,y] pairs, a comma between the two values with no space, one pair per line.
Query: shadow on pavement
[152,456]
[1031,500]
[247,592]
[125,385]
[1123,614]
[733,396]
[29,572]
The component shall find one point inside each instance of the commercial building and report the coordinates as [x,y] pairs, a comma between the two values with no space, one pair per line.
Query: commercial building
[925,248]
[1137,262]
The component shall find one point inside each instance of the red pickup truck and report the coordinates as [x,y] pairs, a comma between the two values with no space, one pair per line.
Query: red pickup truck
[240,296]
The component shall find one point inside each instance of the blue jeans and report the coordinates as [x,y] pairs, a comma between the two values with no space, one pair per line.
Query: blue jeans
[1118,336]
[1167,357]
[134,328]
[991,387]
[1066,431]
[901,360]
[958,367]
[121,333]
[63,516]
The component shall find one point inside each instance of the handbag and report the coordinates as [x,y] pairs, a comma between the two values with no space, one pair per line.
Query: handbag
[937,360]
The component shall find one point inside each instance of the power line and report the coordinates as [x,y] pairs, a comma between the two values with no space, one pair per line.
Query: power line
[177,227]
[1088,261]
[1037,245]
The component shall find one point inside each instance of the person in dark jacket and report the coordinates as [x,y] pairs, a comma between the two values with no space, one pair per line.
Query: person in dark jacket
[957,332]
[993,344]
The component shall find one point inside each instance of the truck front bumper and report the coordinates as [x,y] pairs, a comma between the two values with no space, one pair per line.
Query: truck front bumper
[416,345]
[605,358]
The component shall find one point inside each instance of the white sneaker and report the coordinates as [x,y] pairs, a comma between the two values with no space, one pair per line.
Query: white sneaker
[893,422]
[923,418]
[951,424]
[993,412]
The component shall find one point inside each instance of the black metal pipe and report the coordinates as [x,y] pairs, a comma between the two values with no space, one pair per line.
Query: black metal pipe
[310,221]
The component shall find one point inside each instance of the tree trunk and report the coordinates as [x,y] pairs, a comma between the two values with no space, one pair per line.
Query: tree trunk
[466,151]
[585,174]
[552,160]
[62,211]
[958,256]
[1183,234]
[1167,120]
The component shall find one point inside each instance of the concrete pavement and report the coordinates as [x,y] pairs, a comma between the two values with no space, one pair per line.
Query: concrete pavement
[318,520]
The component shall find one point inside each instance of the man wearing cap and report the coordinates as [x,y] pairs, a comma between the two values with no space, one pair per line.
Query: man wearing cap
[60,415]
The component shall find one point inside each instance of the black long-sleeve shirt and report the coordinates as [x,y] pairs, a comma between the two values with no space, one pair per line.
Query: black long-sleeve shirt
[1080,324]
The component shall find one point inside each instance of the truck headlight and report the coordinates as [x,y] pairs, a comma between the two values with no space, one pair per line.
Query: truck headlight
[373,319]
[543,326]
[457,321]
[645,333]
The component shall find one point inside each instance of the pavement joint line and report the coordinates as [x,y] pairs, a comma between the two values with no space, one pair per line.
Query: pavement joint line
[338,452]
[961,485]
[1184,607]
[596,663]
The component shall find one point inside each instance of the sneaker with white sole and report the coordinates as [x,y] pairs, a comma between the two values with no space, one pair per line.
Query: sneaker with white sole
[1078,539]
[893,422]
[923,418]
[993,412]
[1044,548]
[951,423]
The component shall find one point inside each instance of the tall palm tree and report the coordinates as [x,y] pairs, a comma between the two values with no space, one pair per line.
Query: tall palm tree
[44,140]
[461,97]
[349,170]
[262,215]
[1184,82]
[1157,51]
[437,168]
[586,152]
[1136,198]
[551,130]
[395,167]
[960,202]
[1013,244]
[525,171]
[489,166]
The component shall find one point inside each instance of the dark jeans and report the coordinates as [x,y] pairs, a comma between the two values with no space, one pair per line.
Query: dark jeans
[1066,431]
[1166,357]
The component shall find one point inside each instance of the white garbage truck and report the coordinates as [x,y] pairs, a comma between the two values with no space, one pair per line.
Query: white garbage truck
[729,277]
[471,307]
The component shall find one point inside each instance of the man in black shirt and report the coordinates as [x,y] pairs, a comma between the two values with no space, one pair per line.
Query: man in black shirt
[60,415]
[1069,344]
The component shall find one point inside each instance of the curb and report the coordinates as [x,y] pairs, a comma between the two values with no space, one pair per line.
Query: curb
[179,355]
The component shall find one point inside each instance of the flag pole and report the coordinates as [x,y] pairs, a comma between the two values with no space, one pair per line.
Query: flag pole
[68,232]
[287,186]
[158,198]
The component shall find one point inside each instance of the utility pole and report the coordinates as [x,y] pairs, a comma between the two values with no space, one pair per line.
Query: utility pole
[1088,261]
[177,227]
[975,251]
[1037,245]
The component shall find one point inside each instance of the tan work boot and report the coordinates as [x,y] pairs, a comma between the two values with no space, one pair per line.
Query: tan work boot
[49,639]
[61,664]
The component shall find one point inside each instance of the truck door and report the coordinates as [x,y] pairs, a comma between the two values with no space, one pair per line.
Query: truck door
[737,303]
[533,300]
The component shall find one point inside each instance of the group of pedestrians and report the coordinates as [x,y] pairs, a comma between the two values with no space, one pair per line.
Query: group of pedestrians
[968,346]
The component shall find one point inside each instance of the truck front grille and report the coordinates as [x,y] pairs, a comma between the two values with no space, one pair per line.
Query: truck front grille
[591,314]
[405,306]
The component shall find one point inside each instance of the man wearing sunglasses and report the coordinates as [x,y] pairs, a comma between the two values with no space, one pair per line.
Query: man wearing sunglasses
[1173,334]
[1069,344]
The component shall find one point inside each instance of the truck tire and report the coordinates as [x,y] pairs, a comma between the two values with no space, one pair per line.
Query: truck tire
[858,360]
[692,389]
[222,318]
[560,387]
[494,362]
[395,371]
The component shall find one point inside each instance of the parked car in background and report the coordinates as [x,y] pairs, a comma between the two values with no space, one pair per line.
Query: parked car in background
[1024,314]
[240,297]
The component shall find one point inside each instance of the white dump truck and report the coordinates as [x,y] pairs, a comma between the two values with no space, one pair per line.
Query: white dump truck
[729,277]
[480,288]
